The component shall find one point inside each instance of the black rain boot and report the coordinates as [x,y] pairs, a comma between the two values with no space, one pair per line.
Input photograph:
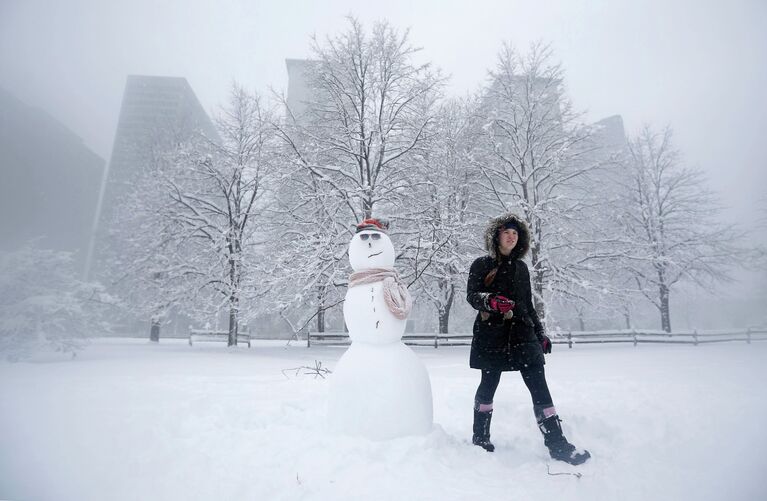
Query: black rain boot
[481,435]
[559,448]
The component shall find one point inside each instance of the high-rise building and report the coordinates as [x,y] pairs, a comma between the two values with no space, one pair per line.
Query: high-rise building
[156,113]
[611,133]
[49,181]
[300,90]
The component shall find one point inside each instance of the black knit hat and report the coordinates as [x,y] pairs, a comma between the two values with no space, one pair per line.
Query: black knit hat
[509,225]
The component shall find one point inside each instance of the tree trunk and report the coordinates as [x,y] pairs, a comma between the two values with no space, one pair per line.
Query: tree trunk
[540,307]
[321,319]
[665,310]
[367,208]
[154,330]
[444,319]
[321,292]
[537,279]
[627,316]
[232,322]
[234,297]
[581,322]
[443,311]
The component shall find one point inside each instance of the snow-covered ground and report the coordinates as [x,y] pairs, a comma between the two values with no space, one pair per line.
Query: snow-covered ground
[131,420]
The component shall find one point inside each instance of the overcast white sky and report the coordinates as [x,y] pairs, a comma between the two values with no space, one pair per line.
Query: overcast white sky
[699,66]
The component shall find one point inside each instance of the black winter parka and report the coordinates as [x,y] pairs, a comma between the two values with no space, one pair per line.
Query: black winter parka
[498,343]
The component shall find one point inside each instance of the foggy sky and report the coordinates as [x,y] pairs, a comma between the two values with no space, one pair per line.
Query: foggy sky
[696,65]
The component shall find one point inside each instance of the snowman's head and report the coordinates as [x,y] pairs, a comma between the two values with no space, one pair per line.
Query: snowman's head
[371,249]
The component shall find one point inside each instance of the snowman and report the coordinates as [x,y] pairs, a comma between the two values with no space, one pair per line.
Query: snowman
[379,388]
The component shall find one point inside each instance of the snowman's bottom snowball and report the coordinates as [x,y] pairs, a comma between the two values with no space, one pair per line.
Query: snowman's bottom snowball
[380,392]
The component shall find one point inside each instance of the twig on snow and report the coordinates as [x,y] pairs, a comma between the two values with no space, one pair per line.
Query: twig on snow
[576,474]
[317,370]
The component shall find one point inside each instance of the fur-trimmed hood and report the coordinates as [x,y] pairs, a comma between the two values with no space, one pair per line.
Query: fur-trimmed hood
[491,236]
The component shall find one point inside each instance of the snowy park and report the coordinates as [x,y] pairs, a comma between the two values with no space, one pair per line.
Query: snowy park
[130,419]
[244,247]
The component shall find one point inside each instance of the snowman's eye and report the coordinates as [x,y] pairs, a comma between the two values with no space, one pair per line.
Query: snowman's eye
[374,236]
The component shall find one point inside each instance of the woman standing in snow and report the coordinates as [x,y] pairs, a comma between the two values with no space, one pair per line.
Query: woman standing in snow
[508,336]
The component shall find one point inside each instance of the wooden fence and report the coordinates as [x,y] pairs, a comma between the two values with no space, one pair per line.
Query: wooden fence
[569,338]
[436,340]
[208,335]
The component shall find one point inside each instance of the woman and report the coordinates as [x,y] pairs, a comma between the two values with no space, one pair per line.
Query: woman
[508,336]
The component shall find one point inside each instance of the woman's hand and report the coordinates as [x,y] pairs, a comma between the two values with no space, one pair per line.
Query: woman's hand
[500,303]
[545,343]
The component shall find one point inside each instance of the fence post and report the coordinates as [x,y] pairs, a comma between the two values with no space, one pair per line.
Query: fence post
[695,337]
[436,341]
[748,335]
[308,338]
[569,339]
[635,337]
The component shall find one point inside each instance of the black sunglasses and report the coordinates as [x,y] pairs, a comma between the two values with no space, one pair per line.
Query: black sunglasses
[374,236]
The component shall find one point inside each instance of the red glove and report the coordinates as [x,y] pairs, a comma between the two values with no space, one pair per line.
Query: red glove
[500,303]
[545,343]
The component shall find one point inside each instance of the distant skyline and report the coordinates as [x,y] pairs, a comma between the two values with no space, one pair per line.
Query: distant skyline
[695,65]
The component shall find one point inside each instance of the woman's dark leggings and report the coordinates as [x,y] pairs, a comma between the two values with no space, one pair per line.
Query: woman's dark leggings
[535,380]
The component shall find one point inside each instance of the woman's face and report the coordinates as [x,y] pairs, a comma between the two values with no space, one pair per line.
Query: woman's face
[507,240]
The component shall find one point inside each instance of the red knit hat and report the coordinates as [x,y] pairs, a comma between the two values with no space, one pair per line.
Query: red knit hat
[374,224]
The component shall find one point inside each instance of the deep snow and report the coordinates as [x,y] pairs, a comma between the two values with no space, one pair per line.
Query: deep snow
[130,420]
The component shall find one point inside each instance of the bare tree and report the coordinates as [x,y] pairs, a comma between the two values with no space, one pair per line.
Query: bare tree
[672,223]
[537,156]
[439,210]
[366,115]
[218,195]
[352,146]
[307,246]
[141,260]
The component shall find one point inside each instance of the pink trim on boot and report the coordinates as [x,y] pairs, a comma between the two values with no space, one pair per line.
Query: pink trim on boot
[486,407]
[548,412]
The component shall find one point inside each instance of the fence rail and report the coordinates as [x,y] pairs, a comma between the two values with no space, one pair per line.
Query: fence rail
[208,335]
[570,338]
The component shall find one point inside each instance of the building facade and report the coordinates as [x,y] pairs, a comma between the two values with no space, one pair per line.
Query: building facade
[156,114]
[49,181]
